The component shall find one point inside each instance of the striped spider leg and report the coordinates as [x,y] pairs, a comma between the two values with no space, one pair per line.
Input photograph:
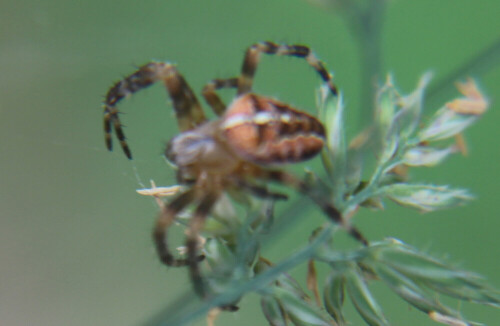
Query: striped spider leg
[252,58]
[249,67]
[187,108]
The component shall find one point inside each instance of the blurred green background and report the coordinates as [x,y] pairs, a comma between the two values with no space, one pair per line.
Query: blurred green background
[75,241]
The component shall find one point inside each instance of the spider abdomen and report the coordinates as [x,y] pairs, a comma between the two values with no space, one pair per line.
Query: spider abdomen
[266,131]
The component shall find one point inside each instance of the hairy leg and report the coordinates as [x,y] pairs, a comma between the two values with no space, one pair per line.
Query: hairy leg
[195,226]
[329,209]
[209,92]
[165,220]
[187,108]
[260,191]
[252,57]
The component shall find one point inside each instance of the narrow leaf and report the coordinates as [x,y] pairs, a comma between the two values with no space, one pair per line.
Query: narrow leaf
[299,309]
[217,254]
[363,300]
[425,197]
[468,290]
[410,291]
[288,283]
[427,156]
[334,158]
[386,129]
[419,266]
[445,124]
[272,311]
[333,297]
[408,116]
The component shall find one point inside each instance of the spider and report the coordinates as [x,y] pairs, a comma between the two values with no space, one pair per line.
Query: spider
[239,149]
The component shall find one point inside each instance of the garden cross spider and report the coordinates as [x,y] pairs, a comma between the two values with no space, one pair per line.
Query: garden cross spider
[238,148]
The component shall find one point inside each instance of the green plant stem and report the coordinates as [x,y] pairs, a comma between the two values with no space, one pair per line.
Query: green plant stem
[258,282]
[365,24]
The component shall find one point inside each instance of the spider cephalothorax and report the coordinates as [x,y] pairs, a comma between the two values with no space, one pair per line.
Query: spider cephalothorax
[243,146]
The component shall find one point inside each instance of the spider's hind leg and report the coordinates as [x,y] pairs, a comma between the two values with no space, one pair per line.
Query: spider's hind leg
[329,209]
[261,191]
[187,108]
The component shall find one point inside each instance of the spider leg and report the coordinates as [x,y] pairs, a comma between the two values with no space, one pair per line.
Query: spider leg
[211,96]
[260,191]
[252,57]
[165,220]
[331,211]
[187,108]
[195,226]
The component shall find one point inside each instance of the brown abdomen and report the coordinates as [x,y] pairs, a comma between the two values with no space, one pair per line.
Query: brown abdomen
[266,131]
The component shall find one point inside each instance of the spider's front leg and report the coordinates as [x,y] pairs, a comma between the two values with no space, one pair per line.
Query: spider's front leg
[195,227]
[187,108]
[165,220]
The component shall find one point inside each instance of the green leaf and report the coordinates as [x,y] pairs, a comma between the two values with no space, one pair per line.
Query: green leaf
[272,311]
[408,117]
[427,156]
[468,290]
[387,130]
[334,158]
[410,291]
[289,284]
[425,197]
[386,106]
[217,254]
[298,309]
[417,265]
[363,300]
[333,297]
[446,123]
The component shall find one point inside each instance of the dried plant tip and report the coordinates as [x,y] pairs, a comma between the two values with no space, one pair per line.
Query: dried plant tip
[400,170]
[361,139]
[394,241]
[460,144]
[456,115]
[447,320]
[212,315]
[312,281]
[474,102]
[182,250]
[159,191]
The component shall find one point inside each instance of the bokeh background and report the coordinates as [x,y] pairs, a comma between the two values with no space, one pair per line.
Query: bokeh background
[75,245]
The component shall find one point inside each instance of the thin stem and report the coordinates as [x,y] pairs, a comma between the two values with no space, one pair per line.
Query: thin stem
[365,24]
[258,282]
